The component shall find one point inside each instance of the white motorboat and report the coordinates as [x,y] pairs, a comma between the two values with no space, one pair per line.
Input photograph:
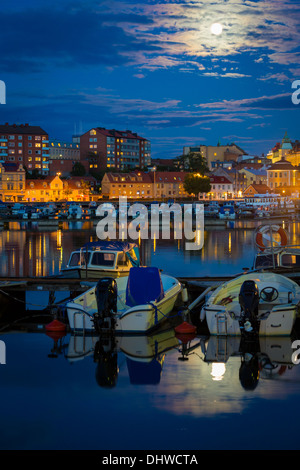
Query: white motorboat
[265,304]
[96,259]
[137,303]
[275,254]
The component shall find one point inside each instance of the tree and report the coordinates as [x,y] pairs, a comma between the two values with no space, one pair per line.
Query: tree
[195,184]
[194,162]
[78,169]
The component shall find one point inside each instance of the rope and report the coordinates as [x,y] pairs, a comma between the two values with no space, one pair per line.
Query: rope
[163,314]
[24,301]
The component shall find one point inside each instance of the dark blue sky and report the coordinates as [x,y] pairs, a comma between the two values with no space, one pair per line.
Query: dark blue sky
[155,68]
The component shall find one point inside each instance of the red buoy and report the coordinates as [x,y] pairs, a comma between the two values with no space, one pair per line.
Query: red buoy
[56,335]
[185,337]
[55,325]
[185,327]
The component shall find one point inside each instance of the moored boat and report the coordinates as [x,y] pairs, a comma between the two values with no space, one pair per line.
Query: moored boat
[96,259]
[264,304]
[137,303]
[227,212]
[274,253]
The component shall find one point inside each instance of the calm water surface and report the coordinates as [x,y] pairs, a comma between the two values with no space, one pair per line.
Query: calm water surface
[135,403]
[71,393]
[226,250]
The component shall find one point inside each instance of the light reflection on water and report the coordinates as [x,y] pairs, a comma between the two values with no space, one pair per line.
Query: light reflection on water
[226,250]
[153,402]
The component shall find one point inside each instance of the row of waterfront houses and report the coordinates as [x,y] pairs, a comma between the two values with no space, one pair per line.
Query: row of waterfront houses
[138,185]
[121,155]
[14,187]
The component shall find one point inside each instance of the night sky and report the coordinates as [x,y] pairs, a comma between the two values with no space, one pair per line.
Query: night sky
[155,68]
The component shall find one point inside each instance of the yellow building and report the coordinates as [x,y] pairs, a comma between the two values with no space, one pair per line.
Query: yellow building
[281,174]
[213,153]
[12,182]
[53,189]
[140,185]
[132,185]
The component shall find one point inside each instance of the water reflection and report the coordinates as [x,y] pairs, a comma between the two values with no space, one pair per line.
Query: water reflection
[226,250]
[154,359]
[160,391]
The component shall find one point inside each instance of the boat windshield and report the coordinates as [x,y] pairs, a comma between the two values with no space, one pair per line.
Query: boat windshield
[290,260]
[78,258]
[266,261]
[103,259]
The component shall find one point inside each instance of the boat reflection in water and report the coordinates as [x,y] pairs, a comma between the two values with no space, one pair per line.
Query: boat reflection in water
[145,355]
[262,358]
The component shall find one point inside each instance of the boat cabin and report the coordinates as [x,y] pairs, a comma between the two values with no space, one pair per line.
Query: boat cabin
[287,258]
[103,257]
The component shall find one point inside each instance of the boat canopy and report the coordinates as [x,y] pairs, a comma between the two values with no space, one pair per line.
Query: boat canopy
[131,250]
[144,285]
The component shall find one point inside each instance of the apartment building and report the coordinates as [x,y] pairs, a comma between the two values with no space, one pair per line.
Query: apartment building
[137,185]
[282,174]
[216,153]
[102,149]
[25,145]
[141,185]
[12,182]
[62,157]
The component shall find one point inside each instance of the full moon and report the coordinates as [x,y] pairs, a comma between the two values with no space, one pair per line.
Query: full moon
[216,28]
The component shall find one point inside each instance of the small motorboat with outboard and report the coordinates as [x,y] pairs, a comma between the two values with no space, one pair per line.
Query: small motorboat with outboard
[264,304]
[136,303]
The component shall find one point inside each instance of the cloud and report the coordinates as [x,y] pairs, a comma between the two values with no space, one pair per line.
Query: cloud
[278,101]
[278,77]
[226,75]
[139,75]
[149,35]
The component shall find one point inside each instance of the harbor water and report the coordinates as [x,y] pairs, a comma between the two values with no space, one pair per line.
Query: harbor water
[158,392]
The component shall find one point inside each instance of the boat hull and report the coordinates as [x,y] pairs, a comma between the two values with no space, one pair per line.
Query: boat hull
[279,323]
[146,318]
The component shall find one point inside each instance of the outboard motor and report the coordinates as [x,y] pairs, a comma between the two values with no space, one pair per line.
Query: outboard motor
[106,295]
[249,300]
